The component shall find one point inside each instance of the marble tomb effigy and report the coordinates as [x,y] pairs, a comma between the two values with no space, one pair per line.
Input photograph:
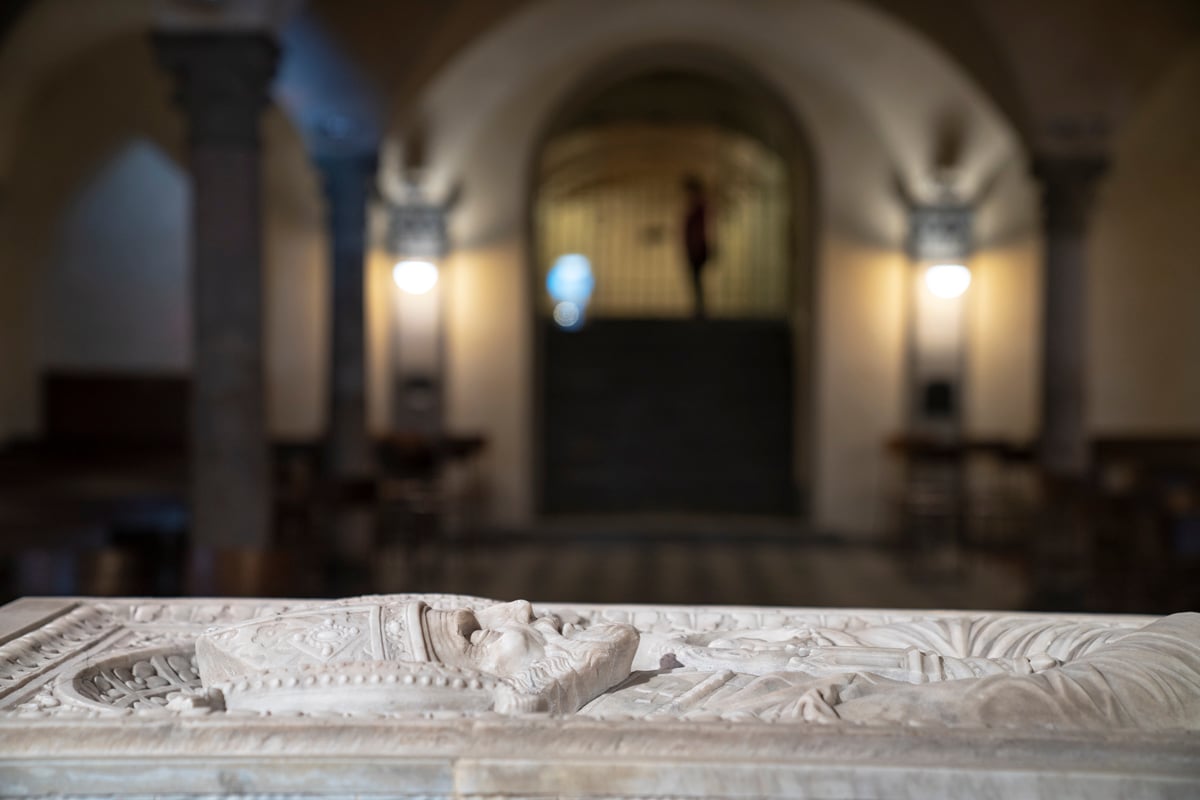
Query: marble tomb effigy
[447,696]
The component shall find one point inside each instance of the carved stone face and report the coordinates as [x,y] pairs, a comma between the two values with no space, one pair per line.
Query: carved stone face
[504,640]
[538,657]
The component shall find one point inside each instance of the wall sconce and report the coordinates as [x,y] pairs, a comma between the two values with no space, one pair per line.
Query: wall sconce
[416,234]
[940,236]
[939,243]
[416,238]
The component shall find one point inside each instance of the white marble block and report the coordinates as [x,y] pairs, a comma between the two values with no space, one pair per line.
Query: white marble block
[439,696]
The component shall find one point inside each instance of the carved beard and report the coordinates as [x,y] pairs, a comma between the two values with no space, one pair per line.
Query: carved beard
[574,671]
[567,672]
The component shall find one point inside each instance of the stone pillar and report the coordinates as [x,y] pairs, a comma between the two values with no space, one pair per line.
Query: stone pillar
[1061,554]
[348,180]
[223,81]
[1068,187]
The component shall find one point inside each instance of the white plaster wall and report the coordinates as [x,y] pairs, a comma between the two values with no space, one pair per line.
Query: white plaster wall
[1144,251]
[860,378]
[381,339]
[120,246]
[295,283]
[78,119]
[1004,342]
[490,369]
[869,94]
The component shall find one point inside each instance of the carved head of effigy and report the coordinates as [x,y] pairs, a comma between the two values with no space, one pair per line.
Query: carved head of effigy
[401,653]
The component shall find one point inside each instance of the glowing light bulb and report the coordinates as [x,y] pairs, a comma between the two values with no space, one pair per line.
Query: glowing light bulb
[415,277]
[948,280]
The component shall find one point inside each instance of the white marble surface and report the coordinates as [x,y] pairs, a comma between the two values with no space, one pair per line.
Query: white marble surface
[771,717]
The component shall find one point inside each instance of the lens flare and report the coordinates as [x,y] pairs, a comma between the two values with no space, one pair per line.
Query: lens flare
[571,279]
[567,315]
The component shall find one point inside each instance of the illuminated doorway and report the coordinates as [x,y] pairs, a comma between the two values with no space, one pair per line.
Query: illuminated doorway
[645,407]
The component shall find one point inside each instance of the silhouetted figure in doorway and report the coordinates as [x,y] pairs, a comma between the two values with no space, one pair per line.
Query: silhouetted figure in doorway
[695,236]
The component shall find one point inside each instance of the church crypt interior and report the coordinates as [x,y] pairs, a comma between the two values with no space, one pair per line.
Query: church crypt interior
[599,398]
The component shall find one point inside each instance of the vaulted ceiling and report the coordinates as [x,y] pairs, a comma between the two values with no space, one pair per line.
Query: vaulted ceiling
[1065,72]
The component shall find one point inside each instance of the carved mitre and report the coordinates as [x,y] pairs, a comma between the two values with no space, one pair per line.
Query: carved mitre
[395,654]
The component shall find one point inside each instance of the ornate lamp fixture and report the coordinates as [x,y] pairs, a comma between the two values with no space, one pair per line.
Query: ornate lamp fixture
[416,235]
[940,236]
[416,238]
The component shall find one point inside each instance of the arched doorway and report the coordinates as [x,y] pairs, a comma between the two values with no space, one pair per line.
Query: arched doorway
[644,407]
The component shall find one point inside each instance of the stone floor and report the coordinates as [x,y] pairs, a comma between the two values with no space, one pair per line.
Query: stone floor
[697,559]
[108,524]
[721,572]
[758,567]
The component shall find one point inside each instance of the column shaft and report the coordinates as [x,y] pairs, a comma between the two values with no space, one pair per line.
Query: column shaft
[1068,186]
[348,180]
[223,81]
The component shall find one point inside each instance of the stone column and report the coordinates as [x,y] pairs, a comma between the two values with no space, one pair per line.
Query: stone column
[223,81]
[348,179]
[1068,187]
[1061,551]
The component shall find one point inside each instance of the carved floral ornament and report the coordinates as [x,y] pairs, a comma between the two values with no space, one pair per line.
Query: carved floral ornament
[394,656]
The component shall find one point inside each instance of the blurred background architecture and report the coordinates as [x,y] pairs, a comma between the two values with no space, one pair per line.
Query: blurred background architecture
[825,302]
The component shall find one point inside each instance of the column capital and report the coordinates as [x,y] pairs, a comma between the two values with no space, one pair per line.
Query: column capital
[223,82]
[1068,186]
[222,15]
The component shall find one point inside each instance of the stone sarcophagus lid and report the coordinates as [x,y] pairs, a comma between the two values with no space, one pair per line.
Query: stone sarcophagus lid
[445,696]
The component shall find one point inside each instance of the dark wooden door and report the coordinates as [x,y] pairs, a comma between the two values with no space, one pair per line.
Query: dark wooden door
[668,415]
